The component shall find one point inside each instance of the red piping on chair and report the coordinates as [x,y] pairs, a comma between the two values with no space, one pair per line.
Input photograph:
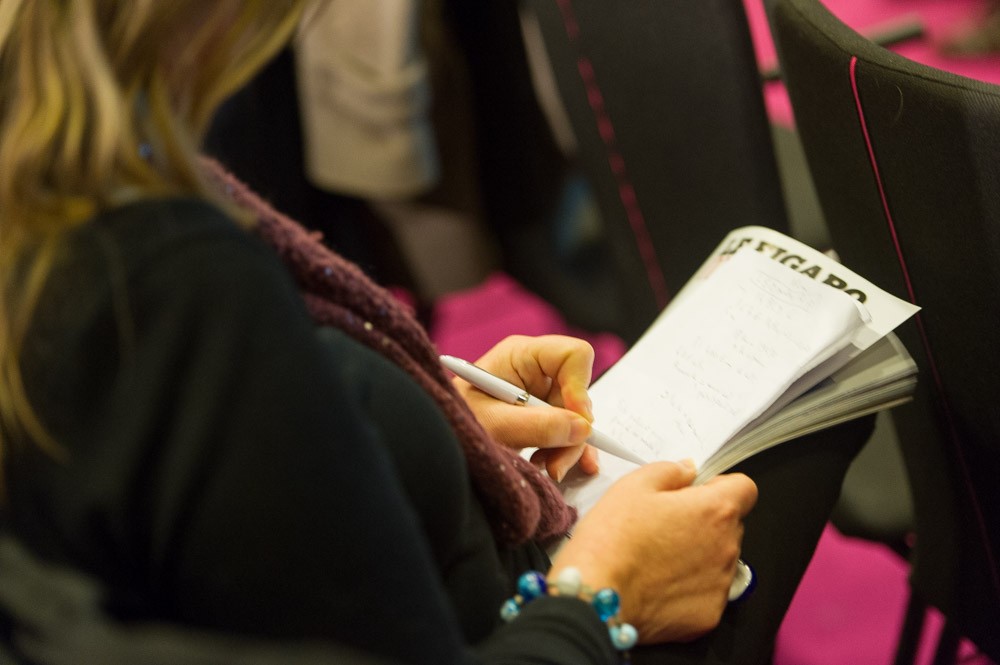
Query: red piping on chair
[626,191]
[938,382]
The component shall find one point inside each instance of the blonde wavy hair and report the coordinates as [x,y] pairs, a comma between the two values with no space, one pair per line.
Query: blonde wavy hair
[102,102]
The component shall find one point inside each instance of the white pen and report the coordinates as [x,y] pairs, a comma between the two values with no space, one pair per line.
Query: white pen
[508,392]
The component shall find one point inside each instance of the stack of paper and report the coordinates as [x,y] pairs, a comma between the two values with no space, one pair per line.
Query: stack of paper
[770,340]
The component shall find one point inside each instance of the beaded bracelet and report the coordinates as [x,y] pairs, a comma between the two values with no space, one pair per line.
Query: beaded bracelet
[532,585]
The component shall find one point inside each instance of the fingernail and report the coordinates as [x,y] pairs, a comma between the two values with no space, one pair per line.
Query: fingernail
[688,464]
[579,430]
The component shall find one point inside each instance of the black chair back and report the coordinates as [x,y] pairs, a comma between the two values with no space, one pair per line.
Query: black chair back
[666,105]
[906,163]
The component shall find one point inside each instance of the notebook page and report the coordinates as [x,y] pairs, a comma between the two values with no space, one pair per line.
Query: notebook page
[720,359]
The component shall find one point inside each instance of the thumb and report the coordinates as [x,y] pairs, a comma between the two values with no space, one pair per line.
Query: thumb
[664,476]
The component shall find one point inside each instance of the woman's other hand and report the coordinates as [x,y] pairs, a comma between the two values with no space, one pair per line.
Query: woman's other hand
[553,368]
[668,548]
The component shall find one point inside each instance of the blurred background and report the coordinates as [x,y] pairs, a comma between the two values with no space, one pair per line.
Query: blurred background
[508,168]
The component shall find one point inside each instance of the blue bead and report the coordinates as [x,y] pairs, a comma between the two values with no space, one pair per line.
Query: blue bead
[606,603]
[509,610]
[531,585]
[624,636]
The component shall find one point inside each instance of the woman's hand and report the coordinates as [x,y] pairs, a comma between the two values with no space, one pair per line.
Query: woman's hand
[668,548]
[553,368]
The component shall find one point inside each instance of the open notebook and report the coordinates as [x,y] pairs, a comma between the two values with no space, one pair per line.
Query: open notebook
[768,341]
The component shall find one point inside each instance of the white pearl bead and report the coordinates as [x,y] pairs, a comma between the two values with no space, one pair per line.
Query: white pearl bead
[569,581]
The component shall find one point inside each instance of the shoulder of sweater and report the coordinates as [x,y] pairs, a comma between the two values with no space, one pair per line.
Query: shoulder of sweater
[142,235]
[163,222]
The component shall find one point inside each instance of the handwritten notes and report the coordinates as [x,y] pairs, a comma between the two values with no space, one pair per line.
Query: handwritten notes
[730,367]
[754,327]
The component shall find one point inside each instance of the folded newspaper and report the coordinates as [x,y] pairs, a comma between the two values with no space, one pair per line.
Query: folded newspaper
[768,341]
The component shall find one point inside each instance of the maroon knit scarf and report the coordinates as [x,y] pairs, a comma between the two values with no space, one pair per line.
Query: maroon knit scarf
[520,501]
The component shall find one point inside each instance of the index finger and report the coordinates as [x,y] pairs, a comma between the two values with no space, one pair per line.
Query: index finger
[564,363]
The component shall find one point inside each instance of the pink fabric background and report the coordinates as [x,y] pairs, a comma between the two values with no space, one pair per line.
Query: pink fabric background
[941,18]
